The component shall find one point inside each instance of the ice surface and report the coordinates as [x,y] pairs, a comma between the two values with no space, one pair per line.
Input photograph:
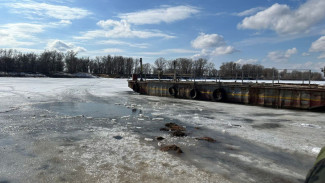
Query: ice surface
[99,130]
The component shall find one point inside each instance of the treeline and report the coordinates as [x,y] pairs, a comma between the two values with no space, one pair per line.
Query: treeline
[51,62]
[253,71]
[45,63]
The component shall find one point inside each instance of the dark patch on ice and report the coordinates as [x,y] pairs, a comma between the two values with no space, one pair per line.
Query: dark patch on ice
[164,129]
[62,179]
[246,120]
[279,120]
[127,92]
[44,167]
[209,117]
[55,160]
[160,138]
[269,114]
[267,126]
[4,181]
[118,137]
[69,141]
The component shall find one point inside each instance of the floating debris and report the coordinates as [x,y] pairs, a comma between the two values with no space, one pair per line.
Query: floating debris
[178,134]
[174,127]
[172,148]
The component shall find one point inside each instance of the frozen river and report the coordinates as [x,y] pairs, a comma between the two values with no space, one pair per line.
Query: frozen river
[98,130]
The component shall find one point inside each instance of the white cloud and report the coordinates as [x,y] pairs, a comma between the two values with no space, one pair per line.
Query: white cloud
[318,46]
[60,23]
[18,34]
[247,61]
[250,11]
[280,56]
[156,16]
[169,51]
[33,9]
[283,20]
[223,50]
[204,41]
[305,54]
[64,47]
[112,50]
[117,42]
[120,29]
[211,45]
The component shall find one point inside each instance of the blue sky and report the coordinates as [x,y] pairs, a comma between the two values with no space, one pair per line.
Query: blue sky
[275,33]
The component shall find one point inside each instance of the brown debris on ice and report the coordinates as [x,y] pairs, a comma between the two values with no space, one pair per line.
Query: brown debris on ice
[174,127]
[209,139]
[172,148]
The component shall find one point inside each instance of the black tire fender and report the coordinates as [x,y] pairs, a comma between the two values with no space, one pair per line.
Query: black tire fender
[194,93]
[219,95]
[172,91]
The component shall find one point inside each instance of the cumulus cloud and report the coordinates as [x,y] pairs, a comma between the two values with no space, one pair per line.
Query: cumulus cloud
[207,41]
[64,47]
[156,16]
[283,20]
[281,56]
[319,46]
[120,29]
[18,34]
[211,45]
[247,61]
[33,9]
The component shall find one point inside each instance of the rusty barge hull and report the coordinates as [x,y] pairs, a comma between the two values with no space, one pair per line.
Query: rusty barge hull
[293,96]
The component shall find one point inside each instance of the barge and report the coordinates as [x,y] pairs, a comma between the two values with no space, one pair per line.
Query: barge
[262,94]
[294,96]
